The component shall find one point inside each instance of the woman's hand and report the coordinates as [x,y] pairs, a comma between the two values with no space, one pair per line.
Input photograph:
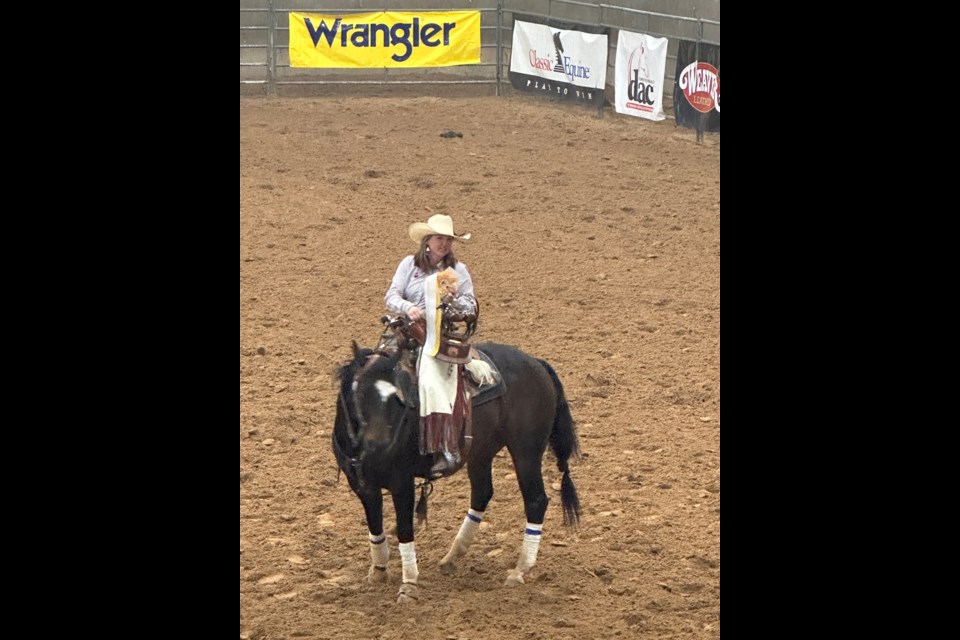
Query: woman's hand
[414,313]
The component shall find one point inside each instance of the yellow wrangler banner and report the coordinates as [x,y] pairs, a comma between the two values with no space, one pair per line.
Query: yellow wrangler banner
[385,39]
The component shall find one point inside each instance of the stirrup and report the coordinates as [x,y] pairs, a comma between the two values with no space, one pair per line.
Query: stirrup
[446,463]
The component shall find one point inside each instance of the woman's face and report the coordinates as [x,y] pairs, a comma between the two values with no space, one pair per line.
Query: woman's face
[439,247]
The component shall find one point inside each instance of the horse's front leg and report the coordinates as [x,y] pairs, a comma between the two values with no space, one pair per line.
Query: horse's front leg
[379,549]
[481,491]
[403,505]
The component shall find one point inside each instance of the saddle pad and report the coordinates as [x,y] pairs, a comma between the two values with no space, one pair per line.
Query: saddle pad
[489,391]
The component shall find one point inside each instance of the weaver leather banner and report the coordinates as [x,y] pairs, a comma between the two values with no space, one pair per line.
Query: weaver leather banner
[559,59]
[638,75]
[385,39]
[696,91]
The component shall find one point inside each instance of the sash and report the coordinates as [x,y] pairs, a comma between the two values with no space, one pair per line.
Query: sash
[432,298]
[437,379]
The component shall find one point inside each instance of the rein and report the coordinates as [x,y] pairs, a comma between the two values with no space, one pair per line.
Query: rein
[354,438]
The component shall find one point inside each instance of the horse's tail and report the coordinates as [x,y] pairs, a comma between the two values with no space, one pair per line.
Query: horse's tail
[563,442]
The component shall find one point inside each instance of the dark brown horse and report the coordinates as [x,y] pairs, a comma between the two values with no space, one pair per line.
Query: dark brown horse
[375,441]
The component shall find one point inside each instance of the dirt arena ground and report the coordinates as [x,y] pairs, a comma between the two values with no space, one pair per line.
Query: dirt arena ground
[596,246]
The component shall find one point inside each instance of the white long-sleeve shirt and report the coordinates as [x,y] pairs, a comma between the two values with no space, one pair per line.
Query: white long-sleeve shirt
[406,289]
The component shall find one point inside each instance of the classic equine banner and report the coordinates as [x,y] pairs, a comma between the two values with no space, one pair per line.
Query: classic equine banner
[558,59]
[696,92]
[385,39]
[639,73]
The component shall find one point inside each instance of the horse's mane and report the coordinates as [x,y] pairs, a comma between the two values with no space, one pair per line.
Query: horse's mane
[384,364]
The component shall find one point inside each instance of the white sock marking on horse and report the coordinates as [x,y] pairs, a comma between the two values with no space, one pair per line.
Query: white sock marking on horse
[385,389]
[379,550]
[531,545]
[408,557]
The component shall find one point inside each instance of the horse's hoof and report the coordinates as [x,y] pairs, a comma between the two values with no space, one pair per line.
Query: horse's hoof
[409,593]
[515,579]
[377,575]
[448,568]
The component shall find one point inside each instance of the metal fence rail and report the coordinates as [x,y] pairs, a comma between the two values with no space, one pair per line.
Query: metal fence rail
[265,49]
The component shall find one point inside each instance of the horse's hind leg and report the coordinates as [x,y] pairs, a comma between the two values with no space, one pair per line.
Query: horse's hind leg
[379,549]
[535,502]
[481,491]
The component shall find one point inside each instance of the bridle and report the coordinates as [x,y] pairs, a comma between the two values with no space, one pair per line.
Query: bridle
[356,435]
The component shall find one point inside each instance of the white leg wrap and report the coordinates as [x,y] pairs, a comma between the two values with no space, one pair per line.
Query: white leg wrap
[531,545]
[408,557]
[469,527]
[379,550]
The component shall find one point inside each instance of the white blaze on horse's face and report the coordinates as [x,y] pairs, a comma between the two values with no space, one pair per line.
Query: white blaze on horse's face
[385,389]
[379,420]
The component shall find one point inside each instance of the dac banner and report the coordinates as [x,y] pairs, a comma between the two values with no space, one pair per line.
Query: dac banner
[385,39]
[696,92]
[639,73]
[559,59]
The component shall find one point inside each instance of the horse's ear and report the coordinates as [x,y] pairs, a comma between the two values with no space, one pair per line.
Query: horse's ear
[356,349]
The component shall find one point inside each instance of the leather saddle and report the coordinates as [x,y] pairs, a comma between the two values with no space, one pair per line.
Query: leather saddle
[409,337]
[405,380]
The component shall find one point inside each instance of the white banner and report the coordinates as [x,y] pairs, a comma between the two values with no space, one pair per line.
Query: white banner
[559,55]
[639,75]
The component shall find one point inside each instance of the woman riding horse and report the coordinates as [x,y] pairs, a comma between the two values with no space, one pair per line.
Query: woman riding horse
[414,292]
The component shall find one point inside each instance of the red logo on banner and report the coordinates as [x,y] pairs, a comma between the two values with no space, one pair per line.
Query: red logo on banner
[700,82]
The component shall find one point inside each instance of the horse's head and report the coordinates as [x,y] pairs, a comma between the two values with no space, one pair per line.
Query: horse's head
[369,411]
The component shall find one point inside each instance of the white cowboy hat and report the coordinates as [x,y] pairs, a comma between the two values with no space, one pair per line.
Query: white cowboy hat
[437,225]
